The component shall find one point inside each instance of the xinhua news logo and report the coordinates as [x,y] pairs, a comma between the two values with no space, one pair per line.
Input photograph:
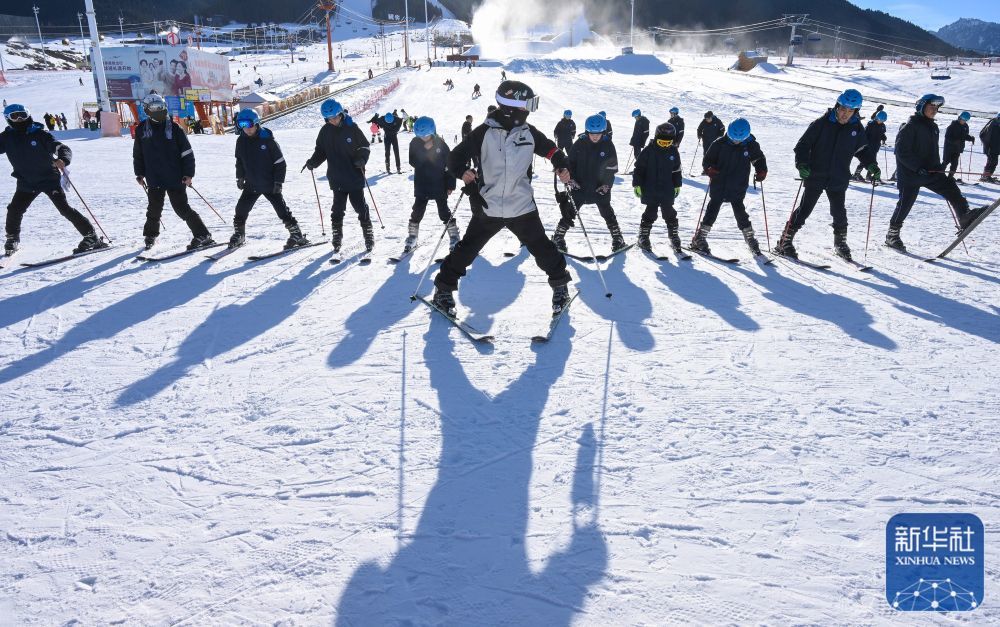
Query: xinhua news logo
[934,562]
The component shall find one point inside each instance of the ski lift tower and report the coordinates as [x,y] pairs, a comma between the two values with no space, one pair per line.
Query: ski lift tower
[794,20]
[328,6]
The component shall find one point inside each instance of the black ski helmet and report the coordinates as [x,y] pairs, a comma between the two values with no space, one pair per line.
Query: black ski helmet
[517,95]
[666,131]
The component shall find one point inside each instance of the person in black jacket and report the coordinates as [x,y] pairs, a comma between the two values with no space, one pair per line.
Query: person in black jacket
[657,181]
[431,181]
[823,158]
[954,142]
[592,166]
[610,131]
[163,163]
[466,127]
[640,132]
[565,131]
[678,122]
[710,129]
[344,148]
[390,124]
[30,150]
[875,132]
[260,170]
[990,136]
[727,163]
[918,164]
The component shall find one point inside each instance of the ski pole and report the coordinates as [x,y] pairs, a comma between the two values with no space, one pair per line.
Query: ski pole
[885,159]
[374,204]
[763,204]
[583,226]
[86,207]
[693,159]
[796,201]
[438,245]
[207,203]
[629,162]
[322,226]
[868,234]
[698,224]
[970,160]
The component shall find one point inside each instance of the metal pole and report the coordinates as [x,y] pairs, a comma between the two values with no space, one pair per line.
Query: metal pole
[83,46]
[98,60]
[631,28]
[37,25]
[121,25]
[427,32]
[329,43]
[406,32]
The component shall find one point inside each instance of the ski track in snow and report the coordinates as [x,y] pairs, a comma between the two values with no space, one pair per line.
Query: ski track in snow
[293,442]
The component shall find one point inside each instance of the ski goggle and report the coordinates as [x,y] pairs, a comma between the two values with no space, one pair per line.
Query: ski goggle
[664,143]
[244,123]
[530,105]
[17,116]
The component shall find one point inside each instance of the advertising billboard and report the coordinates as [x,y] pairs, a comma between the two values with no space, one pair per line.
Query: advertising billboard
[170,71]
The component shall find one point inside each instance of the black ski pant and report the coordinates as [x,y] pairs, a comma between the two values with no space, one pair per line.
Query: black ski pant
[391,143]
[566,212]
[739,210]
[603,206]
[528,228]
[22,200]
[950,162]
[991,164]
[810,196]
[357,198]
[246,203]
[666,209]
[179,201]
[939,184]
[420,206]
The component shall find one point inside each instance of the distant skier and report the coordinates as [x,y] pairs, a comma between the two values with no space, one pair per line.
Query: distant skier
[376,132]
[431,181]
[37,161]
[990,138]
[954,142]
[163,163]
[918,164]
[678,122]
[506,143]
[593,163]
[640,132]
[390,125]
[565,131]
[260,170]
[875,134]
[466,127]
[475,91]
[503,75]
[727,163]
[610,131]
[657,181]
[710,129]
[344,148]
[823,158]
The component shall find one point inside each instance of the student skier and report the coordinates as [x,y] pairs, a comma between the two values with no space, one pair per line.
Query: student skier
[710,129]
[918,164]
[657,181]
[260,170]
[565,131]
[163,163]
[875,133]
[344,148]
[431,181]
[678,122]
[823,158]
[37,160]
[505,143]
[727,163]
[990,138]
[593,163]
[954,142]
[390,124]
[640,132]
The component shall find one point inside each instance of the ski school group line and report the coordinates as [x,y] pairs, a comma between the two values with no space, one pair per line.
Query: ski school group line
[494,161]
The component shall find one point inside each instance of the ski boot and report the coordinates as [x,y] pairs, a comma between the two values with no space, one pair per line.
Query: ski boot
[295,236]
[840,245]
[784,247]
[90,241]
[10,246]
[338,236]
[200,241]
[559,237]
[369,235]
[643,241]
[238,239]
[751,241]
[857,176]
[445,301]
[617,241]
[453,235]
[699,243]
[560,298]
[398,171]
[970,216]
[675,239]
[388,170]
[149,241]
[412,231]
[893,240]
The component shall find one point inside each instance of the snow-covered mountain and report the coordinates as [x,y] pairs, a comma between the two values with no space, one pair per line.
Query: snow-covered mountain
[972,34]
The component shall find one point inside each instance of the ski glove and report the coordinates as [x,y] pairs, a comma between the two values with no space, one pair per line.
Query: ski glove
[760,175]
[677,192]
[804,170]
[712,171]
[240,184]
[638,191]
[277,188]
[603,189]
[307,166]
[874,170]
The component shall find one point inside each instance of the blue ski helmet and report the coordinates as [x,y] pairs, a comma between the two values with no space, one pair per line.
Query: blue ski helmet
[603,114]
[331,108]
[246,118]
[596,124]
[567,113]
[998,114]
[850,99]
[424,127]
[965,116]
[636,113]
[674,110]
[12,109]
[927,99]
[739,130]
[882,116]
[389,118]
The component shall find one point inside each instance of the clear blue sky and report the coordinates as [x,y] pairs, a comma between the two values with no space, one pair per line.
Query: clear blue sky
[933,15]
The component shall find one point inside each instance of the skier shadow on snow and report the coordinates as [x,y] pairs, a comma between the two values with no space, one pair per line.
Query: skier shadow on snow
[229,327]
[115,318]
[629,306]
[928,305]
[495,286]
[968,268]
[466,562]
[22,306]
[851,316]
[698,287]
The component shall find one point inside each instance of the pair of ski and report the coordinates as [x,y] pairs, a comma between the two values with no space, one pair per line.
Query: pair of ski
[477,337]
[588,258]
[409,253]
[6,259]
[224,253]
